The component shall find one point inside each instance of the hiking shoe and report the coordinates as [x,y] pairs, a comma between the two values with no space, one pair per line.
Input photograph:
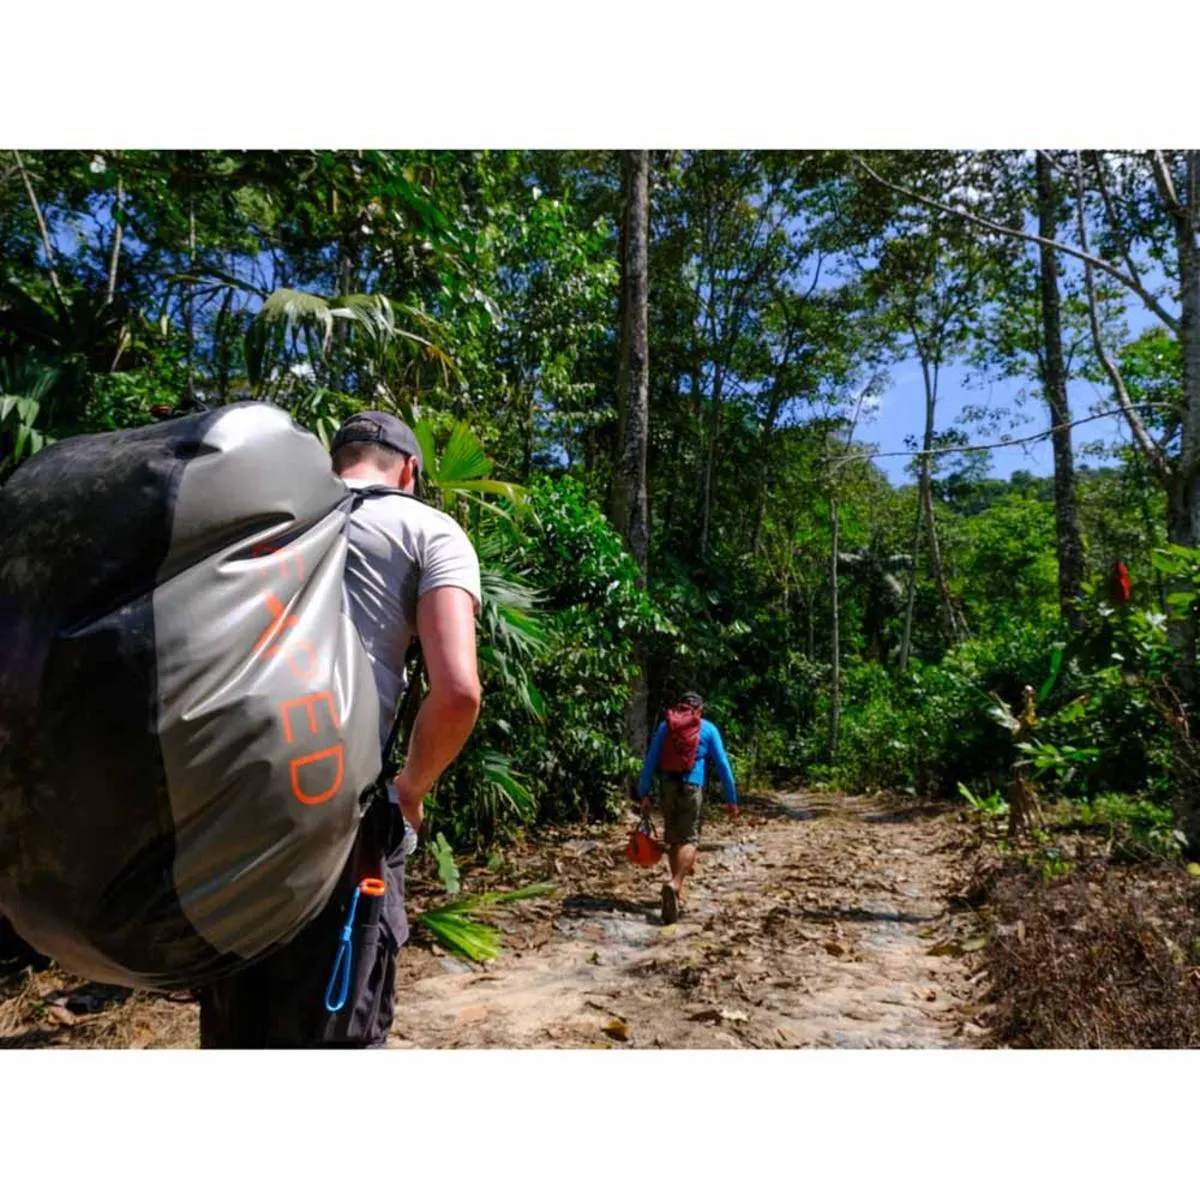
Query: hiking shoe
[670,905]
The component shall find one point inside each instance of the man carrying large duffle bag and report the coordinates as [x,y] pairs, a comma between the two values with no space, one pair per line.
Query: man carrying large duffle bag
[203,633]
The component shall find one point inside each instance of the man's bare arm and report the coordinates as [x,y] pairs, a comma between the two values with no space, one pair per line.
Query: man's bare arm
[446,627]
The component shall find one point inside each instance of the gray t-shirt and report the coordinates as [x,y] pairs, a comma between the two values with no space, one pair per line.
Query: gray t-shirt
[399,550]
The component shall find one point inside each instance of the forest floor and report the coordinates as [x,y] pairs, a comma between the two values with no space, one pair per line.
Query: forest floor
[812,920]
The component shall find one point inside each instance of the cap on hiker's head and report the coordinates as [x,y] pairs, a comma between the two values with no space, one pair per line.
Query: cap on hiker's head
[381,428]
[692,699]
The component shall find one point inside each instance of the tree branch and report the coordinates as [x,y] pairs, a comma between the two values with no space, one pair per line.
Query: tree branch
[1126,257]
[857,412]
[1149,300]
[115,254]
[1151,449]
[41,224]
[816,278]
[1056,162]
[1033,437]
[1166,188]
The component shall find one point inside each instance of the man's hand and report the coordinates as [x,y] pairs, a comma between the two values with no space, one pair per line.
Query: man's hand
[412,802]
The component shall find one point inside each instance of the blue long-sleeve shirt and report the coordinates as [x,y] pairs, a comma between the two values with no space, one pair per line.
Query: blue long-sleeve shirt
[711,747]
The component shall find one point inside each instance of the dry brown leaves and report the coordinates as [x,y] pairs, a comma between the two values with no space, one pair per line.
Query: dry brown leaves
[1106,958]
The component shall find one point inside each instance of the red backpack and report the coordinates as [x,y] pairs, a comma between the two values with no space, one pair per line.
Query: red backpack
[680,746]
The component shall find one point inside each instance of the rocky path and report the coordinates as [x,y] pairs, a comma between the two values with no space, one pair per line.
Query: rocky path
[812,921]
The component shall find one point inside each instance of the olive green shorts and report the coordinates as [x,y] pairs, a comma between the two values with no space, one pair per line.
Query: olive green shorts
[681,812]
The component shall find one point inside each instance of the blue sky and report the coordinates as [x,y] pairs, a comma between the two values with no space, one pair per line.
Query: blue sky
[900,411]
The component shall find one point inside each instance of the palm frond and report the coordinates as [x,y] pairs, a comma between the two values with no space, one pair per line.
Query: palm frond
[497,770]
[216,280]
[475,940]
[462,936]
[371,316]
[23,375]
[463,459]
[483,900]
[286,311]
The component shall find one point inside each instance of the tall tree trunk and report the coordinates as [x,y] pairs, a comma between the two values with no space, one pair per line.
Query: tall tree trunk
[342,280]
[114,255]
[47,247]
[114,263]
[835,707]
[766,442]
[340,332]
[955,622]
[1054,386]
[835,631]
[1187,514]
[911,599]
[710,458]
[528,429]
[1183,502]
[668,517]
[810,643]
[926,518]
[189,300]
[696,396]
[630,507]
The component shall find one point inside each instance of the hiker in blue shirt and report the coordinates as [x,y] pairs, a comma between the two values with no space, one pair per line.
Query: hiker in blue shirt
[679,750]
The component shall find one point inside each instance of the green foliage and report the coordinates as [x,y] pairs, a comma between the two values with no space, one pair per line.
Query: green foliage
[1152,367]
[1137,825]
[1180,566]
[991,805]
[124,399]
[1103,730]
[447,868]
[937,727]
[595,613]
[561,611]
[1114,704]
[469,939]
[18,435]
[1013,538]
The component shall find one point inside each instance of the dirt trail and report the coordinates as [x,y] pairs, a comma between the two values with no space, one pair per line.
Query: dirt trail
[811,921]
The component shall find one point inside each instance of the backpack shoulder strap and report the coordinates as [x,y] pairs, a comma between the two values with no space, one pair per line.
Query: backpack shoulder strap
[405,709]
[357,495]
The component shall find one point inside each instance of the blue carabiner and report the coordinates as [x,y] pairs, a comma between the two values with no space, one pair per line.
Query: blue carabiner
[340,977]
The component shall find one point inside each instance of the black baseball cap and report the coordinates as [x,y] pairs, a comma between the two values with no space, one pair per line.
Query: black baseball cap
[381,428]
[692,699]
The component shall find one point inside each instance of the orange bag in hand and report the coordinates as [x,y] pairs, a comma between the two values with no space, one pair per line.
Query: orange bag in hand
[643,848]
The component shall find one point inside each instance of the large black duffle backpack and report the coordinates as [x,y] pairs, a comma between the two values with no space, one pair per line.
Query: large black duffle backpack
[188,722]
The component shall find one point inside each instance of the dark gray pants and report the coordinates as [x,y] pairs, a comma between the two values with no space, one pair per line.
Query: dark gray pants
[279,1003]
